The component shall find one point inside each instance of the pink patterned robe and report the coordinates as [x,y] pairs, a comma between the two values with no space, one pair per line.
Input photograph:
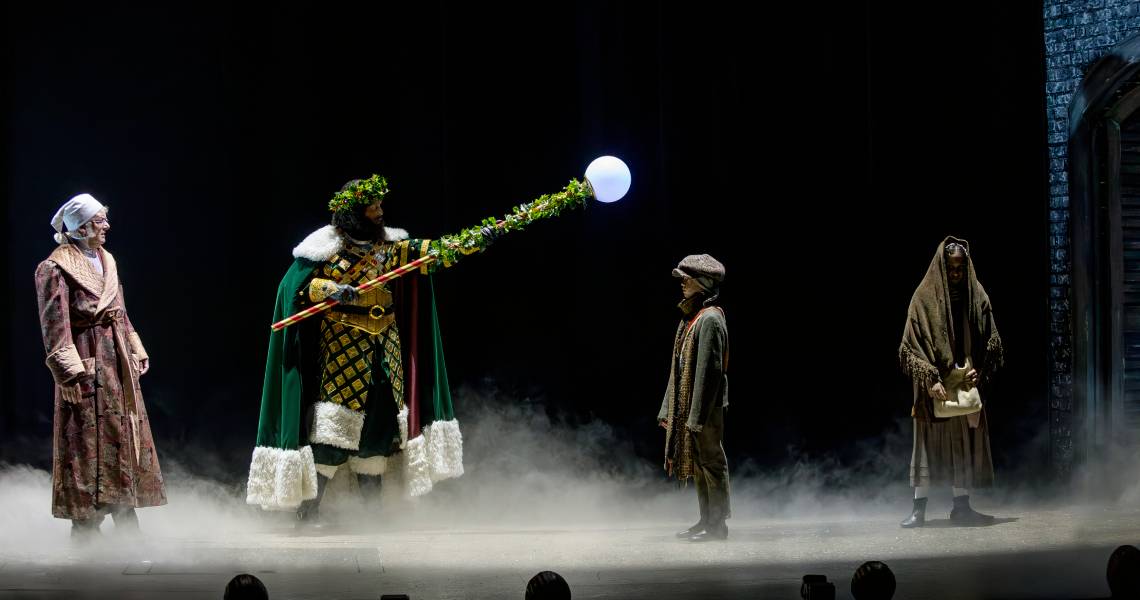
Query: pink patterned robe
[103,452]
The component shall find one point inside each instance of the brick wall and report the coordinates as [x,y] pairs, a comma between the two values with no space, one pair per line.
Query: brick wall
[1077,33]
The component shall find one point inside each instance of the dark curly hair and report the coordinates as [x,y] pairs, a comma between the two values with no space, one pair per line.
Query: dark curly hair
[353,222]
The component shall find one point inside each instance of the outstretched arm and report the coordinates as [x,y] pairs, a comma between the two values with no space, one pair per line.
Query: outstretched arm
[450,248]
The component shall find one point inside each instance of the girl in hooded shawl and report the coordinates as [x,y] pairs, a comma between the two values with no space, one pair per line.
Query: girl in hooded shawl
[949,322]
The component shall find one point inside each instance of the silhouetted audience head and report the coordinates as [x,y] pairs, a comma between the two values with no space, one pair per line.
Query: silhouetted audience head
[246,587]
[1124,572]
[873,580]
[547,585]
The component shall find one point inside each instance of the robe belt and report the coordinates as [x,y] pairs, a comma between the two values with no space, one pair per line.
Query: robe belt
[129,368]
[113,318]
[105,319]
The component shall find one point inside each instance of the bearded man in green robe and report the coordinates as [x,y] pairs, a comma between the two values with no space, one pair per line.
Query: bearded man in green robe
[364,384]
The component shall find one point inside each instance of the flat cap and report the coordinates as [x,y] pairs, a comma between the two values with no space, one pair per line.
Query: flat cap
[700,265]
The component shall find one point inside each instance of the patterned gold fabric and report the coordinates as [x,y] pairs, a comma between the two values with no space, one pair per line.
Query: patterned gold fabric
[320,289]
[349,358]
[348,365]
[351,337]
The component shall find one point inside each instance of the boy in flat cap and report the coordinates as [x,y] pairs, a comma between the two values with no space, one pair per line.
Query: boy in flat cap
[692,412]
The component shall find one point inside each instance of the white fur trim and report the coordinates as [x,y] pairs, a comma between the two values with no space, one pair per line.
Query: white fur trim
[417,471]
[320,245]
[327,471]
[444,449]
[323,243]
[280,479]
[309,474]
[373,465]
[259,486]
[336,425]
[402,421]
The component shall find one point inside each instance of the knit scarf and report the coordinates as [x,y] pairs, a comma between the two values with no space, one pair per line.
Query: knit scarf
[678,443]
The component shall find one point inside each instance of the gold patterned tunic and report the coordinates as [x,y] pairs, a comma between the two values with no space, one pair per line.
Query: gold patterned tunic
[357,338]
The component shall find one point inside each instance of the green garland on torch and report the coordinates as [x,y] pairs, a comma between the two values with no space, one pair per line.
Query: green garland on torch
[448,248]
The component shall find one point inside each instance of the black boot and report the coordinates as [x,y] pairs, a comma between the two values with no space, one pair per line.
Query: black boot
[965,516]
[309,514]
[712,532]
[917,516]
[370,486]
[690,532]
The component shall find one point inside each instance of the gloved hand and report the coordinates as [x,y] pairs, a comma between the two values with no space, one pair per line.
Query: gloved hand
[490,234]
[344,293]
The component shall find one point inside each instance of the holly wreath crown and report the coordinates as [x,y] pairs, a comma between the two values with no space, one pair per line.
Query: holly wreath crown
[362,192]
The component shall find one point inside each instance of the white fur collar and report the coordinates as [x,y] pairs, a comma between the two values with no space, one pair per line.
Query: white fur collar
[323,243]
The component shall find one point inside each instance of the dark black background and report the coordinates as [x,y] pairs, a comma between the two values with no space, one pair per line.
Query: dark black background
[820,153]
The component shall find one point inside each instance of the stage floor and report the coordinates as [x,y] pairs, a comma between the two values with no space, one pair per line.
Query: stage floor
[1031,553]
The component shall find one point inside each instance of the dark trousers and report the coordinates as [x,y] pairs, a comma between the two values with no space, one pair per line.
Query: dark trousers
[710,470]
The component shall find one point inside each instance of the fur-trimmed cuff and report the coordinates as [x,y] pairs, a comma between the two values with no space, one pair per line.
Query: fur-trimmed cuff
[336,425]
[417,470]
[373,465]
[444,449]
[402,421]
[137,346]
[280,479]
[65,364]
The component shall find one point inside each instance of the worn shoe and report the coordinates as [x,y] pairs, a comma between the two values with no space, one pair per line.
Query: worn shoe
[711,533]
[964,516]
[917,516]
[690,532]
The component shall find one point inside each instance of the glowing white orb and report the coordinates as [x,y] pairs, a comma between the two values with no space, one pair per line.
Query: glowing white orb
[609,177]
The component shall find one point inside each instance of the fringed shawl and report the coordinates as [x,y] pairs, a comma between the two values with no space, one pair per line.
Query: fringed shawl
[926,353]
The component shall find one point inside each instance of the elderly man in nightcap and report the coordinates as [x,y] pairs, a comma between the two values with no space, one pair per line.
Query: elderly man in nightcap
[104,460]
[696,398]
